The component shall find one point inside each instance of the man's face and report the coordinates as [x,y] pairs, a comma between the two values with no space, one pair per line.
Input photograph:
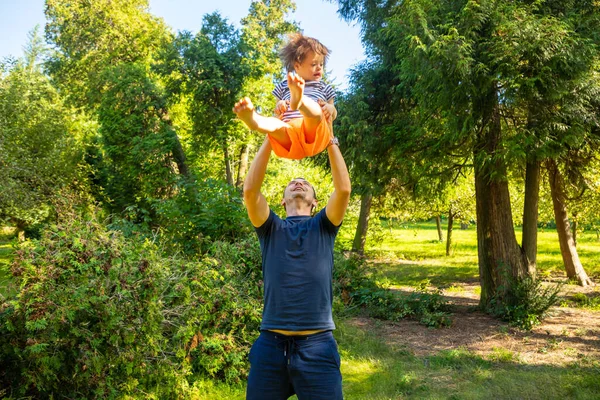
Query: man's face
[299,188]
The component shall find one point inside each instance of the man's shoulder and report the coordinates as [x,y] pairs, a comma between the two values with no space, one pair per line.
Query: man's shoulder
[272,220]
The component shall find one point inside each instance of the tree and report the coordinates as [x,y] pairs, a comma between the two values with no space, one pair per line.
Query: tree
[136,139]
[465,83]
[39,155]
[568,250]
[208,68]
[91,36]
[263,30]
[97,43]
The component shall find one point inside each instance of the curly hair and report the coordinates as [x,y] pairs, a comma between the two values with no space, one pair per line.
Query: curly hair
[298,46]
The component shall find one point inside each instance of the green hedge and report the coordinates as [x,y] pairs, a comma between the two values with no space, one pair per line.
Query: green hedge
[99,315]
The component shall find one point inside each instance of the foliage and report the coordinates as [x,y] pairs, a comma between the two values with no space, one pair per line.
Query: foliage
[202,212]
[102,316]
[38,151]
[582,300]
[525,301]
[355,286]
[427,306]
[90,37]
[136,140]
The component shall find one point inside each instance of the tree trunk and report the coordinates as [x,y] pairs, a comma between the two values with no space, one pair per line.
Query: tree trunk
[449,233]
[227,159]
[574,227]
[438,222]
[179,156]
[565,238]
[500,256]
[243,165]
[360,237]
[530,214]
[177,149]
[20,228]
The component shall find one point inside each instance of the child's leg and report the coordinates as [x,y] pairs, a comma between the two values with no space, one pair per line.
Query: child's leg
[266,125]
[310,109]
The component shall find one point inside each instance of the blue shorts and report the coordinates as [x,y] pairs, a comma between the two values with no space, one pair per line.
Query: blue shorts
[281,366]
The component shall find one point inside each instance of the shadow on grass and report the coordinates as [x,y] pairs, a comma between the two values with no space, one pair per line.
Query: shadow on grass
[373,370]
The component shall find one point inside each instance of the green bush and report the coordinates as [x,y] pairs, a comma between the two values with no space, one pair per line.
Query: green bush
[524,301]
[202,212]
[102,316]
[355,288]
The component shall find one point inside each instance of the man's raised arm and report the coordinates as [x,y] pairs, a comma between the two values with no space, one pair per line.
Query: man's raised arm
[338,202]
[256,204]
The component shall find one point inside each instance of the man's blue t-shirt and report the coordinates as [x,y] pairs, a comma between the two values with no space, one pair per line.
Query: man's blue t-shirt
[297,265]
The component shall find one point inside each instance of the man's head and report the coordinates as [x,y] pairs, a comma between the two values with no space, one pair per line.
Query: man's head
[299,197]
[304,55]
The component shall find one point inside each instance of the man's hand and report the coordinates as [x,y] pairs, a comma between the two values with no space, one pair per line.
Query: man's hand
[329,111]
[281,107]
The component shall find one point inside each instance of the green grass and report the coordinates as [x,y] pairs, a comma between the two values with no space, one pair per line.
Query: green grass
[373,370]
[410,253]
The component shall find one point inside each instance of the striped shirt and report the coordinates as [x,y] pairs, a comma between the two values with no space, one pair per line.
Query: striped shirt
[315,90]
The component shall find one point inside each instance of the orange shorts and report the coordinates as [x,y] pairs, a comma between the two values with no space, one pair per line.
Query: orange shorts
[301,145]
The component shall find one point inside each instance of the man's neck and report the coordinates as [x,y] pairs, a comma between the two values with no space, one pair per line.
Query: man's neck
[298,213]
[298,209]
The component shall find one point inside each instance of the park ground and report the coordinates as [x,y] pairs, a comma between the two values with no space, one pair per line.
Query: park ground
[478,356]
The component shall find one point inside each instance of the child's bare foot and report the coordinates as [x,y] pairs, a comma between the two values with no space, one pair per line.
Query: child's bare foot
[296,85]
[244,109]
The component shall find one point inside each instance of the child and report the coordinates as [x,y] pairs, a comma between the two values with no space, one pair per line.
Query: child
[304,129]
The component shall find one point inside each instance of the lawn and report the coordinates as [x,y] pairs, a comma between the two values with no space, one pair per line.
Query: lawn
[410,253]
[372,369]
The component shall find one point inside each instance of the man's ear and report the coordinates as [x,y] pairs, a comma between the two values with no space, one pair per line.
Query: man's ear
[283,203]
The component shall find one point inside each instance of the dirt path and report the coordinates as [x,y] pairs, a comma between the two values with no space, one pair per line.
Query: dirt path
[567,335]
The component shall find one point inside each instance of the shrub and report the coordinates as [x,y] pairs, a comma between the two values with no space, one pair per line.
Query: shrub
[102,316]
[524,301]
[202,212]
[355,287]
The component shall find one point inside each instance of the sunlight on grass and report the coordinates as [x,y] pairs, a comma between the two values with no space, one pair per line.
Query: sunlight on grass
[357,373]
[210,390]
[373,370]
[411,253]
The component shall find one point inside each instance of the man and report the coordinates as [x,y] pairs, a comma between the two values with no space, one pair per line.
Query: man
[296,352]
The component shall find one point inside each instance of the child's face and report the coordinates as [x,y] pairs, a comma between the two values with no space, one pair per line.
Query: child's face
[311,69]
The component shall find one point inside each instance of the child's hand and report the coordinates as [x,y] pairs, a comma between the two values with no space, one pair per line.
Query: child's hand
[329,111]
[281,107]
